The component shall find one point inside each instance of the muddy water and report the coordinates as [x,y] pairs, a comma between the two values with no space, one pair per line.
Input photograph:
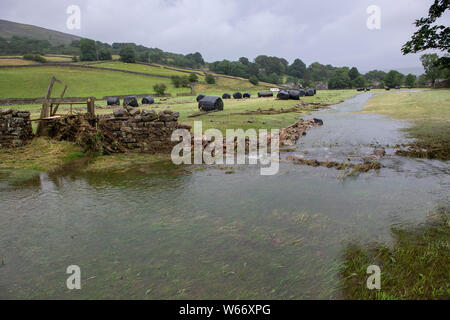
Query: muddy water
[161,232]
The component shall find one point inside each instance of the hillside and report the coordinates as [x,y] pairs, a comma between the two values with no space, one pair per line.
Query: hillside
[31,82]
[9,29]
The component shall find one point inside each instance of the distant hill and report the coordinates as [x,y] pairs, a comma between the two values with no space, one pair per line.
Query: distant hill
[9,29]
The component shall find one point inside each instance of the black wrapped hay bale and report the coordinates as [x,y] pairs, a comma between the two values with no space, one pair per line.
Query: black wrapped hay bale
[294,94]
[247,95]
[148,100]
[265,94]
[237,95]
[210,104]
[200,97]
[113,101]
[226,96]
[309,93]
[283,95]
[302,92]
[131,101]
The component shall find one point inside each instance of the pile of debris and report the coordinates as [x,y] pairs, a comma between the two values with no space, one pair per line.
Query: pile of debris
[290,135]
[15,128]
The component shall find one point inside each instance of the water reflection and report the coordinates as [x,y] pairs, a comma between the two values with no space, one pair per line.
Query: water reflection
[171,233]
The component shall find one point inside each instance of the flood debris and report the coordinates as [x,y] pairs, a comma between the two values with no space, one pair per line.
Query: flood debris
[365,166]
[290,135]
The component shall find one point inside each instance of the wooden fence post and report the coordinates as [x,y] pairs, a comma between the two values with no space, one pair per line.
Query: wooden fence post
[91,106]
[45,105]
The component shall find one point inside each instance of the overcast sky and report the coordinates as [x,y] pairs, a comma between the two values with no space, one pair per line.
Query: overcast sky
[327,31]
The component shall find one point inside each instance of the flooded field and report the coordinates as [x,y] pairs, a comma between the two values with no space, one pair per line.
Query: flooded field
[165,232]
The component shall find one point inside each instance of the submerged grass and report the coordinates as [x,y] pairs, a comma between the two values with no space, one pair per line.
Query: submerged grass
[415,268]
[430,113]
[39,155]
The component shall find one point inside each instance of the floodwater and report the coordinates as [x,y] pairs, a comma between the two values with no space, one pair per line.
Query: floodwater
[164,232]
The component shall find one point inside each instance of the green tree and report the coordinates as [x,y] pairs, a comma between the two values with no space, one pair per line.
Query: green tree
[144,56]
[375,76]
[430,35]
[160,88]
[210,79]
[410,80]
[127,54]
[104,54]
[297,69]
[359,82]
[176,81]
[353,73]
[422,81]
[244,61]
[340,79]
[254,80]
[430,63]
[393,79]
[88,50]
[193,77]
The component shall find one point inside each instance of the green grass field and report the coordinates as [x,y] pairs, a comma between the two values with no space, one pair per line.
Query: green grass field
[140,68]
[429,111]
[33,82]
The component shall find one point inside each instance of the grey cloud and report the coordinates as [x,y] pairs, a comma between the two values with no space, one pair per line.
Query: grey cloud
[327,31]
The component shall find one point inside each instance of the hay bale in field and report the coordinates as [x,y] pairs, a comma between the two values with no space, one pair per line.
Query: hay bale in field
[131,101]
[210,104]
[247,95]
[226,96]
[113,101]
[302,92]
[318,121]
[283,95]
[237,95]
[200,97]
[294,94]
[309,93]
[265,94]
[148,100]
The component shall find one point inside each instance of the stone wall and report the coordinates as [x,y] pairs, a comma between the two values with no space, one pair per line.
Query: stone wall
[15,128]
[142,130]
[127,129]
